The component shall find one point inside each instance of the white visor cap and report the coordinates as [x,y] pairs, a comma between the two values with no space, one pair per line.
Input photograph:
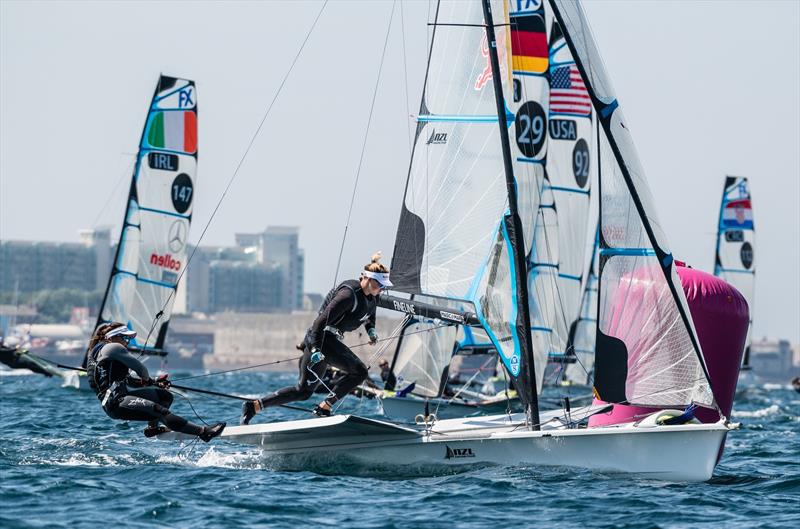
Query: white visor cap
[380,277]
[121,331]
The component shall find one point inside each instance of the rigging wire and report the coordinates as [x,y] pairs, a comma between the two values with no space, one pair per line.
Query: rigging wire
[242,159]
[364,145]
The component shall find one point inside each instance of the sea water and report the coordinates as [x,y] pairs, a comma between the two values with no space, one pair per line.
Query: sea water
[64,463]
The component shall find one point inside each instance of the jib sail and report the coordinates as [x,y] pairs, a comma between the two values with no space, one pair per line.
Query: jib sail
[647,351]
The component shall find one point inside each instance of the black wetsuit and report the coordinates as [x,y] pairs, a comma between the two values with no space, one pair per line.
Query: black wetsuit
[107,368]
[345,309]
[21,359]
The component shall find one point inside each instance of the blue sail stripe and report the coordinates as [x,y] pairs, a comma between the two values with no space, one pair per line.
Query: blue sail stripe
[161,211]
[641,252]
[545,265]
[168,94]
[542,329]
[157,283]
[530,160]
[466,119]
[568,276]
[568,189]
[145,148]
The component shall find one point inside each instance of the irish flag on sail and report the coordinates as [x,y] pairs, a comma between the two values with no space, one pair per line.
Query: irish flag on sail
[174,130]
[738,214]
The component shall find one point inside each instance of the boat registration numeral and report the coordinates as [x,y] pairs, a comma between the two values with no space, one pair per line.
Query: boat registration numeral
[182,193]
[531,126]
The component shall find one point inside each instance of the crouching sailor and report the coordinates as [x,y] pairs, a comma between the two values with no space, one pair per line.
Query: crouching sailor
[128,398]
[345,309]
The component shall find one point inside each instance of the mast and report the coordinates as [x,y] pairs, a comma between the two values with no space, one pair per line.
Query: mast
[518,246]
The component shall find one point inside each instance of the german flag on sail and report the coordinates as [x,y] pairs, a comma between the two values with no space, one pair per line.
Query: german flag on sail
[529,51]
[174,130]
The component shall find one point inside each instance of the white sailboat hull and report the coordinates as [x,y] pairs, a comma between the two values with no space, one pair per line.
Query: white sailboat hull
[674,453]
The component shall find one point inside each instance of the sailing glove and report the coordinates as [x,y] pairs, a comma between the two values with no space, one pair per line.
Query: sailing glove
[373,335]
[316,357]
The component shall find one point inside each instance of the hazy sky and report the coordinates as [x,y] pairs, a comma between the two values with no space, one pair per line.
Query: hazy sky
[708,88]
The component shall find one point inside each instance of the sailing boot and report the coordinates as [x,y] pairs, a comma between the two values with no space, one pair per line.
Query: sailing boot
[319,411]
[153,430]
[248,412]
[210,432]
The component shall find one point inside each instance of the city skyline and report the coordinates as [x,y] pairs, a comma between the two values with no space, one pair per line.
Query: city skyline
[687,100]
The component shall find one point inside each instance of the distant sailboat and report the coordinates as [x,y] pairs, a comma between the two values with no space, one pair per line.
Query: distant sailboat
[152,249]
[735,255]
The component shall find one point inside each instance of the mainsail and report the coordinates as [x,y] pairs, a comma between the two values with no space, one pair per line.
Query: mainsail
[151,253]
[647,348]
[734,260]
[459,225]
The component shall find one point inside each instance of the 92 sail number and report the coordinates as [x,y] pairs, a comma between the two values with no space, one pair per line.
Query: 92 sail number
[181,193]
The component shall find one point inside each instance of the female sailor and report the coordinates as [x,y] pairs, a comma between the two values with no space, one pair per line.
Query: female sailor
[128,398]
[344,309]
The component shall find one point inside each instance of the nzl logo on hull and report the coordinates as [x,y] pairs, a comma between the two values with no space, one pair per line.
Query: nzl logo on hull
[454,453]
[437,138]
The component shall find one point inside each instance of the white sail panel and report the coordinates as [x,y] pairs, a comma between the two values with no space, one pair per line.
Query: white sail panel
[583,339]
[638,306]
[423,354]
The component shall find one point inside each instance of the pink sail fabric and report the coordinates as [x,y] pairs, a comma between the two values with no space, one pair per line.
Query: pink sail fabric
[721,318]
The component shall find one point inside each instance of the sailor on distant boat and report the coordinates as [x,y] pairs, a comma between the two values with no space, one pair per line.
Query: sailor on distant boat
[345,309]
[129,398]
[15,357]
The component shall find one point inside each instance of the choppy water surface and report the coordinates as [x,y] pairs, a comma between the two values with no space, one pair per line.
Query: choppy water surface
[63,463]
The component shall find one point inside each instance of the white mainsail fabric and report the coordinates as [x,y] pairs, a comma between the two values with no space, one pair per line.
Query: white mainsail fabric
[152,248]
[583,341]
[452,240]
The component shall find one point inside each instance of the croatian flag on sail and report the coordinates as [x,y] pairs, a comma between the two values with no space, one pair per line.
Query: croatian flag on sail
[738,214]
[568,94]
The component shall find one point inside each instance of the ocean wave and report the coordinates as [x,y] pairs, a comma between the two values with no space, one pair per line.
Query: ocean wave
[765,412]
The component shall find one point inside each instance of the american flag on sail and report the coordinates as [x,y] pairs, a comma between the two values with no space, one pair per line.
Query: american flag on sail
[568,94]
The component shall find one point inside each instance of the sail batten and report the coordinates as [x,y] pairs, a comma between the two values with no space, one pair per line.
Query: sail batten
[152,249]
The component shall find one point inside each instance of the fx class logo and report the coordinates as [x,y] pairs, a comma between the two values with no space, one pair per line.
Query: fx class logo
[177,236]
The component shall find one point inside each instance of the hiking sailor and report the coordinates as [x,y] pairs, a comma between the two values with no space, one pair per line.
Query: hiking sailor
[128,398]
[344,309]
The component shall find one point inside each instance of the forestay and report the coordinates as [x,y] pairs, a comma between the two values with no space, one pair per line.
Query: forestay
[151,253]
[734,260]
[647,349]
[453,239]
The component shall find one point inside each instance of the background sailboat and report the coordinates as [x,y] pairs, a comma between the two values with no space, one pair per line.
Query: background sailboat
[734,261]
[152,250]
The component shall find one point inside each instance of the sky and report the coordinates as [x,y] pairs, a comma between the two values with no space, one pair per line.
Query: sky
[708,89]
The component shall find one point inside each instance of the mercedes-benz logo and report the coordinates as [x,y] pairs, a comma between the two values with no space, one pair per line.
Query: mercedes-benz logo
[177,236]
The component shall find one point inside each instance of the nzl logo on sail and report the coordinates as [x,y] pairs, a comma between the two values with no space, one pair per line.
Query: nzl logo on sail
[437,138]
